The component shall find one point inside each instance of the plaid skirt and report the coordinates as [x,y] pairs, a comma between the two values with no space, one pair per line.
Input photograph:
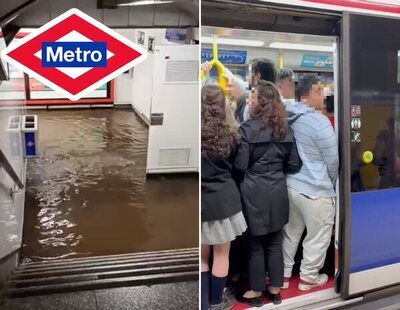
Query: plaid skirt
[223,231]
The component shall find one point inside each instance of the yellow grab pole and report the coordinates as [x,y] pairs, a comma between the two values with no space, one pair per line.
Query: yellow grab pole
[214,62]
[280,60]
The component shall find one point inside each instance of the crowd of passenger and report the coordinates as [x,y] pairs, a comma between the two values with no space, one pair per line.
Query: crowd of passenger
[269,169]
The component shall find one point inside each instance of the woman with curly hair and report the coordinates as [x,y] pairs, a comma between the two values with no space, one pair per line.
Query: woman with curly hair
[221,208]
[267,152]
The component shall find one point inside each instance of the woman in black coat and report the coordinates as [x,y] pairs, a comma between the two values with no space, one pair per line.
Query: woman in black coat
[221,208]
[267,152]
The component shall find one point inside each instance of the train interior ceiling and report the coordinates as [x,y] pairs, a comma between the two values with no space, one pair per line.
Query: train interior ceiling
[303,42]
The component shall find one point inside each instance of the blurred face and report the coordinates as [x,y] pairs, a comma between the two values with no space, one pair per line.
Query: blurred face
[286,88]
[315,98]
[233,90]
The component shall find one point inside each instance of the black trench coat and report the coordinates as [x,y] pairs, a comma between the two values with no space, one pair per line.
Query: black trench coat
[220,196]
[264,164]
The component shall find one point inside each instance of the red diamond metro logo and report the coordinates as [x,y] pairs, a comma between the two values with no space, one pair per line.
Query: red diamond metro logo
[74,54]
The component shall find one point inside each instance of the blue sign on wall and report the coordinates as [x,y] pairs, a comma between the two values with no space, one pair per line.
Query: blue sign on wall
[225,56]
[176,35]
[317,61]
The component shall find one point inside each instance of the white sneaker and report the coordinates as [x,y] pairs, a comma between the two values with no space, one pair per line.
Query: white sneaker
[286,283]
[322,279]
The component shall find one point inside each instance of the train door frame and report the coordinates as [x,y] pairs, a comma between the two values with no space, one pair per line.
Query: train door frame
[345,152]
[342,123]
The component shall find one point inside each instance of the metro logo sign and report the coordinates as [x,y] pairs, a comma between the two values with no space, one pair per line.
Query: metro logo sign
[74,54]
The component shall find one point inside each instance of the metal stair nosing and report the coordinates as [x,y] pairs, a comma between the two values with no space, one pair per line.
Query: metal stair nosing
[103,283]
[112,256]
[109,267]
[19,283]
[94,262]
[107,258]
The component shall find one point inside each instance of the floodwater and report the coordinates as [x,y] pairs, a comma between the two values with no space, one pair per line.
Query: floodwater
[87,192]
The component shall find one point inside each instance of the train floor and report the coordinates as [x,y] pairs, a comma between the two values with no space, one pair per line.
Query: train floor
[292,298]
[88,194]
[293,295]
[139,297]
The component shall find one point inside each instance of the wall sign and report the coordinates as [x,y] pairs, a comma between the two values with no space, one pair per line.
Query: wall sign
[225,56]
[74,54]
[176,35]
[151,44]
[355,123]
[141,37]
[316,61]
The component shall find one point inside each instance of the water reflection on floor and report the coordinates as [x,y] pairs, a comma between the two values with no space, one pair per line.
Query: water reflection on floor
[87,192]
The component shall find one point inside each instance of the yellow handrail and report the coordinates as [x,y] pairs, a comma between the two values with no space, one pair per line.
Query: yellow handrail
[214,62]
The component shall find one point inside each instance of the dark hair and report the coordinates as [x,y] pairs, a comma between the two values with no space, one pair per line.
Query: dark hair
[266,68]
[270,109]
[330,104]
[284,73]
[305,84]
[217,137]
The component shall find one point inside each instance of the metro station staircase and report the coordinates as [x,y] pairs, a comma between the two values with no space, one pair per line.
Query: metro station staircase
[99,272]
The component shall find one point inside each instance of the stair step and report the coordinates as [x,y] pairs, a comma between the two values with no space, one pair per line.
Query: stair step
[93,263]
[102,283]
[106,258]
[100,275]
[103,268]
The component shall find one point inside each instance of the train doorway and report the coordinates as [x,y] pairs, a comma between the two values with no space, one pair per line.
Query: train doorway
[308,57]
[366,125]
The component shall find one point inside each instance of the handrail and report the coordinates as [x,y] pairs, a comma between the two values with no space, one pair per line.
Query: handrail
[10,170]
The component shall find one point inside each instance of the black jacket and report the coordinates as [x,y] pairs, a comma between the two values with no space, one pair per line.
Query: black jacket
[264,164]
[220,196]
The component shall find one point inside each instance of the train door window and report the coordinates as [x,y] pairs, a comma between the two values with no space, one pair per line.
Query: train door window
[374,99]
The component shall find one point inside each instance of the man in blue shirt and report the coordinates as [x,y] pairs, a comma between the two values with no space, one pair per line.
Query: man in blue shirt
[312,190]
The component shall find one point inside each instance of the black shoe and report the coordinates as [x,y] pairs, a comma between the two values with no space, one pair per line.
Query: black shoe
[276,298]
[254,301]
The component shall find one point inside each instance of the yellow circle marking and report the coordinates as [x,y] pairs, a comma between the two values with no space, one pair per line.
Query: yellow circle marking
[368,157]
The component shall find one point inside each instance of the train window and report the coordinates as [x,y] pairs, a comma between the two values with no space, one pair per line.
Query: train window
[375,146]
[375,141]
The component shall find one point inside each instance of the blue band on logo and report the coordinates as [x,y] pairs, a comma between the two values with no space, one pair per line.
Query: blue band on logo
[74,54]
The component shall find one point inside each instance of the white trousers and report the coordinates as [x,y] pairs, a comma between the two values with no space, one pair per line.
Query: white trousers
[318,216]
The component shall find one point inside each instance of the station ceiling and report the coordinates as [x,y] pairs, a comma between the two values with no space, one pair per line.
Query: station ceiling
[113,13]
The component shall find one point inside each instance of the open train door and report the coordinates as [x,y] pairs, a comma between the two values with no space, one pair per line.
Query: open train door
[370,152]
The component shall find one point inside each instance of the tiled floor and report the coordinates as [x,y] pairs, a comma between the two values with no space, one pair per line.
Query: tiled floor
[182,296]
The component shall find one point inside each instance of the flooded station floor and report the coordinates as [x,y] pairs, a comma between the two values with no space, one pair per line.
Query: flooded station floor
[87,192]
